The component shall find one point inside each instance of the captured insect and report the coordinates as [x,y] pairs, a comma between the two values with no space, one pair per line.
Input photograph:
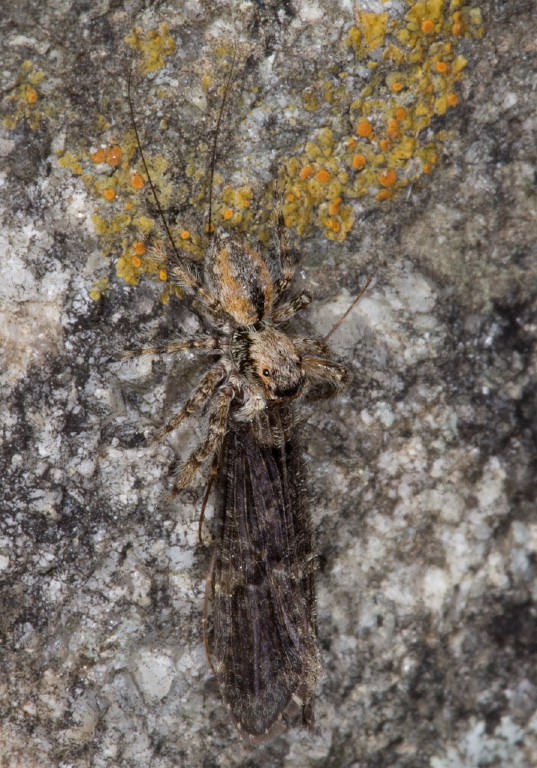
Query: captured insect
[263,642]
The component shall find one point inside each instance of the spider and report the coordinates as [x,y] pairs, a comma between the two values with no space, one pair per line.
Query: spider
[259,365]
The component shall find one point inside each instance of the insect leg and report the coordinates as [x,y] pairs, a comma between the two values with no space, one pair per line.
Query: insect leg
[217,427]
[209,343]
[209,591]
[212,478]
[199,397]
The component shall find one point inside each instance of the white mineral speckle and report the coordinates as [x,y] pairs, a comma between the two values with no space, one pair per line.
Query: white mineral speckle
[154,672]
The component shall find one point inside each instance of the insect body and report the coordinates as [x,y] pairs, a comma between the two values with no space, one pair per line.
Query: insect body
[263,647]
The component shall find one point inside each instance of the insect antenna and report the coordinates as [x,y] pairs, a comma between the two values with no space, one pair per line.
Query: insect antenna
[215,140]
[146,169]
[348,311]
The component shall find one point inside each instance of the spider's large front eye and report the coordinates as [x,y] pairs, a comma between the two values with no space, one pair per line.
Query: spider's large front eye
[266,372]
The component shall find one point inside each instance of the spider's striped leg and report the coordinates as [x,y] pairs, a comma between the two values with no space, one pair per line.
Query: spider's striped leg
[217,427]
[197,400]
[207,343]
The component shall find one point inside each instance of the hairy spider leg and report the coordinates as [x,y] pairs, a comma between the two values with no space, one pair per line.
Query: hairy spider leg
[203,343]
[196,401]
[217,427]
[291,307]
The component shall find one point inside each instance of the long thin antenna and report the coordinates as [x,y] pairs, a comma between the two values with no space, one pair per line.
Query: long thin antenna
[146,169]
[342,318]
[215,141]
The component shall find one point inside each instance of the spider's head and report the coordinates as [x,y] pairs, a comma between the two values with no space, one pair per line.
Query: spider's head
[269,361]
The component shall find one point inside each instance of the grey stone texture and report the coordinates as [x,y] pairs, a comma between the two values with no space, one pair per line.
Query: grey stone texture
[422,474]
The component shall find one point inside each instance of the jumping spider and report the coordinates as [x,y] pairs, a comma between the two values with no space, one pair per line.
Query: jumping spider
[259,365]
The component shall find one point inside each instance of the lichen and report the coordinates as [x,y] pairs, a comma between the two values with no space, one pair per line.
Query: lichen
[375,138]
[23,101]
[413,75]
[154,45]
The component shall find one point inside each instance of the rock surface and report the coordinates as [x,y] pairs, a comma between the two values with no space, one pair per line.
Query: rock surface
[423,474]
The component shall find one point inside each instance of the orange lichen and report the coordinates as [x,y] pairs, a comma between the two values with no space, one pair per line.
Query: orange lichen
[98,156]
[388,177]
[154,45]
[306,173]
[409,62]
[31,95]
[333,208]
[384,194]
[136,261]
[393,129]
[163,275]
[137,181]
[109,194]
[364,129]
[358,162]
[113,155]
[139,248]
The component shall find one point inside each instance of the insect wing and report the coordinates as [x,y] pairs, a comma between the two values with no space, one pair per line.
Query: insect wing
[264,642]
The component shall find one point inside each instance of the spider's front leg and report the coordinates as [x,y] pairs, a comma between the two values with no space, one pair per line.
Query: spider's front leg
[206,343]
[218,416]
[196,401]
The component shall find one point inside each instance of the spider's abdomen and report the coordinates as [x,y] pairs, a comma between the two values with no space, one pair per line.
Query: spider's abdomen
[240,280]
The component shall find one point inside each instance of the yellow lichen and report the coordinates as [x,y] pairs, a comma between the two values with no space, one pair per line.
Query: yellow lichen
[368,142]
[23,101]
[153,44]
[373,28]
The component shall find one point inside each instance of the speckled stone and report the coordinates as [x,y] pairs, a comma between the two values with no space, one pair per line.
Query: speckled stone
[422,475]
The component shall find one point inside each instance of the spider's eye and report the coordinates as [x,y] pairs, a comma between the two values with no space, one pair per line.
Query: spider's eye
[266,372]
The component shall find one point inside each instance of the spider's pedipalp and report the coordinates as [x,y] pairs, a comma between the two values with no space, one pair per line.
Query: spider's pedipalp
[335,376]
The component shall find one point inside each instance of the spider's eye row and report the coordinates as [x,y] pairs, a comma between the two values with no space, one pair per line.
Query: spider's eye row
[266,372]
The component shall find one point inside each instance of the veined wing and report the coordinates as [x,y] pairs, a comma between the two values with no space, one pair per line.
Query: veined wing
[264,644]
